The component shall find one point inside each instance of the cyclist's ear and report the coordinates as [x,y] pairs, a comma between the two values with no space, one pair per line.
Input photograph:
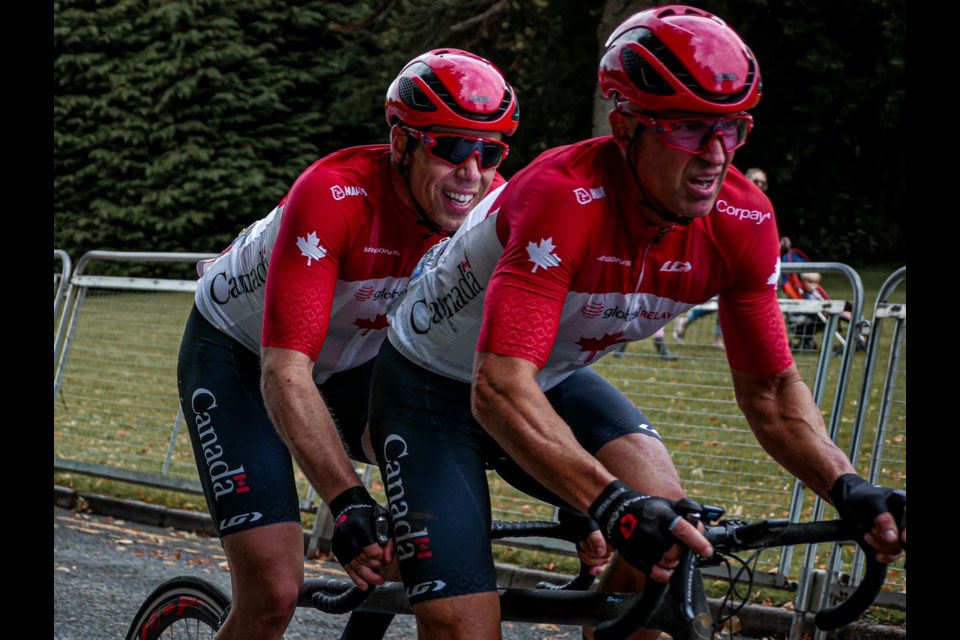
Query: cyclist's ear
[398,144]
[623,128]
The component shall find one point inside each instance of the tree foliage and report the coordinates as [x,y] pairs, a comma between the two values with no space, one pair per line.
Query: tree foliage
[178,122]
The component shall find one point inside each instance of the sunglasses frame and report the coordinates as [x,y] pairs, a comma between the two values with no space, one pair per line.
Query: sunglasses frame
[663,127]
[428,140]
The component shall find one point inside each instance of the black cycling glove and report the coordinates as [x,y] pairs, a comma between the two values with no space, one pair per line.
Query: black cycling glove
[638,525]
[358,521]
[858,501]
[578,523]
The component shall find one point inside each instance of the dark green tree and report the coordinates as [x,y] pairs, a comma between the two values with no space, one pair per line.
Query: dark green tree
[177,123]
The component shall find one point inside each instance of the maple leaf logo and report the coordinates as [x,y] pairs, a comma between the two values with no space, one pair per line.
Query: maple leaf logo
[366,325]
[310,247]
[593,346]
[541,254]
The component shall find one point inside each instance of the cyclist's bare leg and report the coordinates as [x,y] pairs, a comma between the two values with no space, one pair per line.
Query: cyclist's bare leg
[643,463]
[471,617]
[266,573]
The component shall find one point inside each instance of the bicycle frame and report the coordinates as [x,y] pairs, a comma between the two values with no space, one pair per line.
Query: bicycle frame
[680,608]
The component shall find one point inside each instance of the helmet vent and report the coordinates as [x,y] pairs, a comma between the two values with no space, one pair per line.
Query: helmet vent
[414,97]
[643,76]
[430,78]
[647,79]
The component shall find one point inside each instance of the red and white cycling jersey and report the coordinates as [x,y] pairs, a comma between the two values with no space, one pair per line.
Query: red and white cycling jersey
[339,246]
[558,268]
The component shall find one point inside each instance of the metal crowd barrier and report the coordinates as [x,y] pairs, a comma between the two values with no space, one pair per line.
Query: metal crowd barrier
[120,336]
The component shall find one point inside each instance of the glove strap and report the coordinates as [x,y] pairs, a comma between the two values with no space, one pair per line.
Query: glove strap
[353,495]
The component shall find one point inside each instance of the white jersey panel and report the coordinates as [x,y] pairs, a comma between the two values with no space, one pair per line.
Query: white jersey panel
[437,322]
[230,292]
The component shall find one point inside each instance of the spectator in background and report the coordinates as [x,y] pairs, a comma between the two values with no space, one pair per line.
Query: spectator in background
[758,177]
[683,323]
[658,343]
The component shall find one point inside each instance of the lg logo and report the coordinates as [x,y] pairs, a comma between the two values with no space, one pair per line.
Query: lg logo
[240,519]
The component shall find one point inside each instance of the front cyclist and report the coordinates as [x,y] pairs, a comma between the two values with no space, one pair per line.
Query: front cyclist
[592,246]
[277,352]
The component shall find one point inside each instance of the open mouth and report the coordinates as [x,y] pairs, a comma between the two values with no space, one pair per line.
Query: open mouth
[460,199]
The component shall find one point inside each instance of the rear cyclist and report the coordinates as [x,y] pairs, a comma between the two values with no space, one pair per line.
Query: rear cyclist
[277,352]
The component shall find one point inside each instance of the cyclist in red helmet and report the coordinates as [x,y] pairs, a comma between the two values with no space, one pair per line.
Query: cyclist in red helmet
[591,246]
[277,353]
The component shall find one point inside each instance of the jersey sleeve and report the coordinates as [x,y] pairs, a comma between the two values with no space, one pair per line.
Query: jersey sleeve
[753,327]
[543,247]
[302,276]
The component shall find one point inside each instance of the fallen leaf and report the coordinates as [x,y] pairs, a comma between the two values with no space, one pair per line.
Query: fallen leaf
[787,606]
[732,625]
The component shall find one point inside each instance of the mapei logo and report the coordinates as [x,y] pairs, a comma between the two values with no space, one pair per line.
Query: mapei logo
[676,266]
[586,196]
[339,193]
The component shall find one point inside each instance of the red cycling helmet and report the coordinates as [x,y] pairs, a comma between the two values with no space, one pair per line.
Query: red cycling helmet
[452,88]
[680,58]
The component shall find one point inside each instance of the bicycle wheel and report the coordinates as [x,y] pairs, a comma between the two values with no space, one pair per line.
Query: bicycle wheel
[180,609]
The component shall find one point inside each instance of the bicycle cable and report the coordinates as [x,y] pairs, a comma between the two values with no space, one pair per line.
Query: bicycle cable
[726,611]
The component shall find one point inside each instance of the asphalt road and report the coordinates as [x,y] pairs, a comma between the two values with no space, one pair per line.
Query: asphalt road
[103,568]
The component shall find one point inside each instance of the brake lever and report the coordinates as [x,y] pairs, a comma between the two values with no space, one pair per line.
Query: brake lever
[642,612]
[691,512]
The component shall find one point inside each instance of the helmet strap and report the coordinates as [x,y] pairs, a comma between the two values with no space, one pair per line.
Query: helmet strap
[646,199]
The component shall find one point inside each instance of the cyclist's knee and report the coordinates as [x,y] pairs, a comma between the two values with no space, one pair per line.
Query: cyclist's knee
[265,610]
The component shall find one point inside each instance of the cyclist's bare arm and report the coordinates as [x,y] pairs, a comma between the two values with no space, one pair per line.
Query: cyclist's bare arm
[788,424]
[298,411]
[302,419]
[509,403]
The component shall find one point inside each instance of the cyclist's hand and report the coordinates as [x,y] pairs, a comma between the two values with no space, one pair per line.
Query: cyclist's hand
[646,530]
[592,549]
[361,540]
[864,505]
